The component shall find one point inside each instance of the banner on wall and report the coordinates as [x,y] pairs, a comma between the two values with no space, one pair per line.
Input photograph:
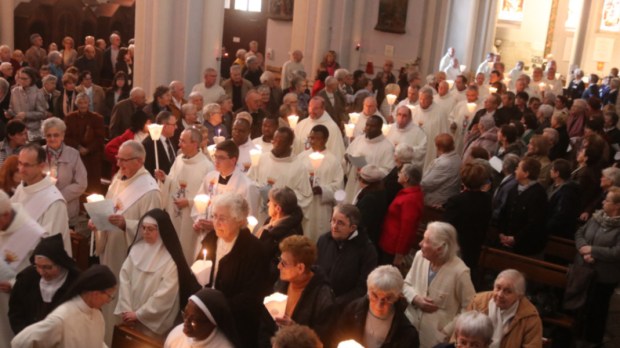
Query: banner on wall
[511,10]
[610,18]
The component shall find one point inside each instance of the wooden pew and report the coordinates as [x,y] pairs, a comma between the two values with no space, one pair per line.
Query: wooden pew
[560,250]
[80,250]
[132,337]
[534,270]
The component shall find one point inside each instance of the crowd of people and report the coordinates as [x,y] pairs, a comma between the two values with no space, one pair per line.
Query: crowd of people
[365,200]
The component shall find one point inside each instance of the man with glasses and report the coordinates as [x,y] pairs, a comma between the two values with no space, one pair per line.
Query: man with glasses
[166,151]
[39,195]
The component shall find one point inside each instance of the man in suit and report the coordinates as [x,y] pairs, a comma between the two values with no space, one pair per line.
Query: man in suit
[35,55]
[90,40]
[110,55]
[88,62]
[52,95]
[236,87]
[335,102]
[123,111]
[166,151]
[253,102]
[177,89]
[94,92]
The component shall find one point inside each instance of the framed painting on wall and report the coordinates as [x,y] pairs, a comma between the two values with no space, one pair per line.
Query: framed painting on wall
[610,17]
[281,10]
[392,16]
[511,10]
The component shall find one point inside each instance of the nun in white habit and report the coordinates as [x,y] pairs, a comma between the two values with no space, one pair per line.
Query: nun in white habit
[155,280]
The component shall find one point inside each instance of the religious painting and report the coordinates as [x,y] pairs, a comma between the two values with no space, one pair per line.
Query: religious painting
[610,19]
[281,10]
[511,10]
[392,16]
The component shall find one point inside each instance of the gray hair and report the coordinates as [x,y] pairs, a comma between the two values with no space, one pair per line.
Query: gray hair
[236,204]
[351,212]
[5,203]
[195,95]
[82,95]
[474,324]
[487,122]
[413,173]
[404,153]
[386,278]
[136,147]
[195,135]
[549,98]
[330,80]
[613,174]
[427,91]
[48,78]
[444,235]
[289,96]
[54,122]
[235,69]
[188,107]
[517,278]
[553,135]
[136,91]
[52,56]
[285,198]
[580,103]
[6,65]
[341,73]
[266,76]
[546,111]
[210,109]
[510,163]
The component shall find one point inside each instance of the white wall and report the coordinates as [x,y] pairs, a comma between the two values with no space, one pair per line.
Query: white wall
[588,62]
[279,34]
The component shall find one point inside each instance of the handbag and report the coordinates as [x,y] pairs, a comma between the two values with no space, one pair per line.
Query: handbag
[579,278]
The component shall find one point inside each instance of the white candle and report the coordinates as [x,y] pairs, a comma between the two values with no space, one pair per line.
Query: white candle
[385,129]
[348,129]
[349,344]
[94,198]
[155,130]
[218,139]
[463,67]
[292,121]
[200,203]
[450,83]
[492,90]
[276,304]
[316,158]
[541,86]
[391,98]
[255,156]
[204,254]
[211,150]
[353,117]
[252,222]
[202,271]
[471,107]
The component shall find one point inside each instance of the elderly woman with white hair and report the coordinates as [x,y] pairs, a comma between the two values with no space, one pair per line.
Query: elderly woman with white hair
[438,285]
[576,118]
[516,322]
[471,329]
[212,114]
[65,165]
[240,266]
[378,319]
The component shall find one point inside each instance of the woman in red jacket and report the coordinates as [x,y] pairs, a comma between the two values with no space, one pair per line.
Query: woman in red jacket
[402,218]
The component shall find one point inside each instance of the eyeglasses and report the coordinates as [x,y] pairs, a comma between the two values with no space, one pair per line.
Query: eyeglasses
[146,228]
[381,300]
[284,263]
[111,297]
[125,160]
[192,321]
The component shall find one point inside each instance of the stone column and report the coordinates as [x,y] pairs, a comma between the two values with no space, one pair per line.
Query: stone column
[359,12]
[579,37]
[322,28]
[7,25]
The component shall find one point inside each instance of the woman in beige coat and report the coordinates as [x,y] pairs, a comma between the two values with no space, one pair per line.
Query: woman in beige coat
[438,286]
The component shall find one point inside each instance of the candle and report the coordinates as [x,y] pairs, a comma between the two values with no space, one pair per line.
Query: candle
[201,202]
[202,269]
[541,86]
[471,107]
[292,121]
[463,67]
[218,139]
[385,129]
[339,196]
[348,129]
[353,117]
[276,304]
[316,158]
[492,90]
[94,198]
[155,130]
[349,344]
[391,98]
[252,222]
[450,83]
[204,254]
[219,132]
[211,150]
[255,156]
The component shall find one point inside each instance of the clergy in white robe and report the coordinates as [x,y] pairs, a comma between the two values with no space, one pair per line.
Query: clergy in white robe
[318,116]
[155,277]
[19,235]
[268,129]
[444,98]
[326,180]
[537,83]
[553,84]
[373,148]
[446,59]
[461,117]
[411,101]
[433,120]
[514,74]
[180,186]
[405,131]
[78,322]
[280,168]
[133,192]
[453,70]
[39,195]
[460,89]
[370,109]
[241,136]
[487,65]
[207,323]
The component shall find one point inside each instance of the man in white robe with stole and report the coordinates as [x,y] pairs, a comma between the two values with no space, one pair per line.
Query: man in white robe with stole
[280,168]
[39,195]
[433,119]
[369,109]
[318,116]
[460,118]
[19,235]
[179,187]
[134,192]
[373,148]
[325,180]
[405,131]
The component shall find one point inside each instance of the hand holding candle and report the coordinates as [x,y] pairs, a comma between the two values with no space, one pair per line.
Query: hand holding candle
[202,269]
[155,133]
[201,202]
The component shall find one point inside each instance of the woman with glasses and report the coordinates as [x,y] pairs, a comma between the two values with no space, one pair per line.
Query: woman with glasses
[310,298]
[207,322]
[39,288]
[77,321]
[378,319]
[155,280]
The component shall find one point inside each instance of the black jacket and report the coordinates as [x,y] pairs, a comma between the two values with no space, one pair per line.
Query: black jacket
[392,187]
[372,205]
[352,323]
[149,162]
[241,277]
[559,150]
[563,211]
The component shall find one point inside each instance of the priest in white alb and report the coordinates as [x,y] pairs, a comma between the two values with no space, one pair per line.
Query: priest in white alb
[179,187]
[372,148]
[39,195]
[433,120]
[444,98]
[369,109]
[405,131]
[19,235]
[318,116]
[446,59]
[280,168]
[241,136]
[461,116]
[326,180]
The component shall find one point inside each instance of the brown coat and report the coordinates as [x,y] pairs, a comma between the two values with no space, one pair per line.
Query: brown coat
[99,105]
[525,328]
[87,131]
